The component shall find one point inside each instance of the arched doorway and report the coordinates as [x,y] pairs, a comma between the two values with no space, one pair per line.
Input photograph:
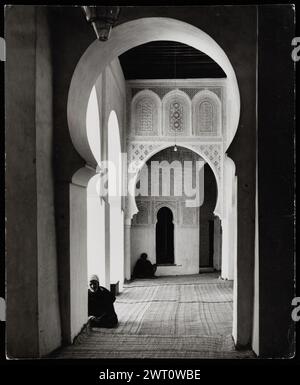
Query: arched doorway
[164,237]
[209,226]
[173,180]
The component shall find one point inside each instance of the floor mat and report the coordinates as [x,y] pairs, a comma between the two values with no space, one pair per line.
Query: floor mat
[167,317]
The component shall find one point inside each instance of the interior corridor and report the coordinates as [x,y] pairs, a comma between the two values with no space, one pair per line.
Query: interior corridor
[167,317]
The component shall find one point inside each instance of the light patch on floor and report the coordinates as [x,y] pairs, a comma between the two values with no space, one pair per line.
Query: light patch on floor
[167,317]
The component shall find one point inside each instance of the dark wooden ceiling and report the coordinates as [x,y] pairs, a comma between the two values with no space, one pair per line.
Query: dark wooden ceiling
[168,60]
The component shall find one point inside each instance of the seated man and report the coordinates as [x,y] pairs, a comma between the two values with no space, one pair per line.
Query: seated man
[144,268]
[100,305]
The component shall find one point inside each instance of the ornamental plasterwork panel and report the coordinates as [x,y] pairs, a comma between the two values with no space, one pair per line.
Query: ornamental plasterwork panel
[207,114]
[213,153]
[171,204]
[182,215]
[138,153]
[190,91]
[176,114]
[198,111]
[146,114]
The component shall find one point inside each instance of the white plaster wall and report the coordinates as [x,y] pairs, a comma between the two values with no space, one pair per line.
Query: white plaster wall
[142,241]
[93,127]
[114,95]
[116,246]
[95,208]
[186,254]
[96,237]
[115,191]
[114,100]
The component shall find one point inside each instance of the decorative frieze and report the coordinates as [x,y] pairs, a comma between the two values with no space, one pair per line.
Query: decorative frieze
[173,111]
[190,91]
[149,207]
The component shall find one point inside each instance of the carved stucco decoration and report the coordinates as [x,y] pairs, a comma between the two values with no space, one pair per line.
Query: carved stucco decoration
[146,114]
[148,209]
[212,152]
[176,107]
[176,117]
[176,114]
[145,110]
[207,114]
[190,91]
[140,152]
[171,204]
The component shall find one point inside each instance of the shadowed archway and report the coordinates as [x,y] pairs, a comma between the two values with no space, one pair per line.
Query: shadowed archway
[164,237]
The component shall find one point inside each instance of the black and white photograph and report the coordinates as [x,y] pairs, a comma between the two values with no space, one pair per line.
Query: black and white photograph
[149,183]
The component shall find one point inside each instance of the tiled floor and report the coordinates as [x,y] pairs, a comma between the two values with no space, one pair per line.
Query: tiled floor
[167,317]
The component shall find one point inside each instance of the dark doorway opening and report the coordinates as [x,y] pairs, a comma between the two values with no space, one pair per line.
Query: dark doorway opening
[211,243]
[164,237]
[206,228]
